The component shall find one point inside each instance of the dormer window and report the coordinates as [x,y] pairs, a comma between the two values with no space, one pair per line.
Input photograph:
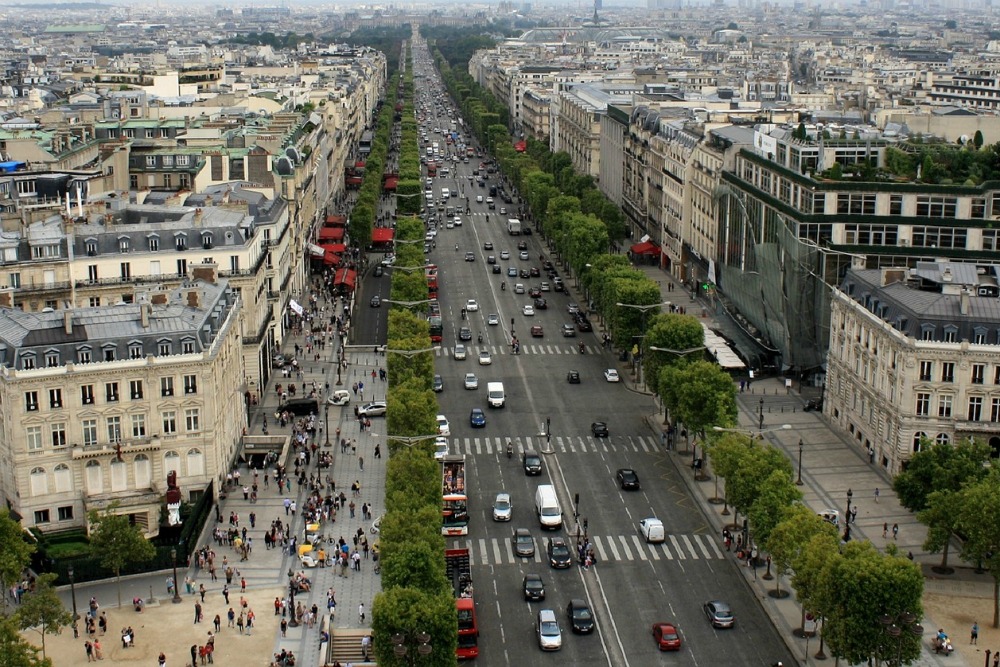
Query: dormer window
[124,244]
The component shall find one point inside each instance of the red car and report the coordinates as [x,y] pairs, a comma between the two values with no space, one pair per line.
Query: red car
[666,636]
[536,331]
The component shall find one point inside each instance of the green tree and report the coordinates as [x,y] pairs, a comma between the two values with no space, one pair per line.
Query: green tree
[977,521]
[41,609]
[940,467]
[15,650]
[789,539]
[775,495]
[117,542]
[860,585]
[15,552]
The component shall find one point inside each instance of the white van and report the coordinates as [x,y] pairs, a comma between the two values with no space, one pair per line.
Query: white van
[547,507]
[494,394]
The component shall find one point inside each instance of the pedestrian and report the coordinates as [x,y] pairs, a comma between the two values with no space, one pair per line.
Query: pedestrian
[975,633]
[895,530]
[361,613]
[876,494]
[885,530]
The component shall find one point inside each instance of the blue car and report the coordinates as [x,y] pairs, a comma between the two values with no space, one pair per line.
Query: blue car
[478,418]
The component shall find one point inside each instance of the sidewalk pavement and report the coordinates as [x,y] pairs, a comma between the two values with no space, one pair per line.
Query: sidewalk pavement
[831,464]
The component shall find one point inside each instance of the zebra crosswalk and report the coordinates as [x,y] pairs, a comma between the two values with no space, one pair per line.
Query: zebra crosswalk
[526,348]
[485,446]
[608,548]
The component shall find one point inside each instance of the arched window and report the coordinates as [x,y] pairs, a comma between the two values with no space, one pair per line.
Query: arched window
[171,463]
[64,478]
[195,462]
[917,438]
[943,439]
[119,475]
[143,471]
[95,477]
[39,482]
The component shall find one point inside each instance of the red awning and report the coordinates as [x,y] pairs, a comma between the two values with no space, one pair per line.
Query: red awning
[335,221]
[331,233]
[345,277]
[336,248]
[382,235]
[645,248]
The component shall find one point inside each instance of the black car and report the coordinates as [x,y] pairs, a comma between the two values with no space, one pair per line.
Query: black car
[533,587]
[581,619]
[627,479]
[559,554]
[532,462]
[465,333]
[599,429]
[573,377]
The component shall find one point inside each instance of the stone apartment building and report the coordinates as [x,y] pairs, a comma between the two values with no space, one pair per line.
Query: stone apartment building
[913,358]
[100,403]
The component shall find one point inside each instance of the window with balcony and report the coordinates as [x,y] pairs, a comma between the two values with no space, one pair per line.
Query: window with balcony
[58,435]
[33,438]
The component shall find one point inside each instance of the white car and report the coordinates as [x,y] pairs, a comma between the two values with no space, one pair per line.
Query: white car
[611,375]
[460,353]
[652,530]
[502,509]
[440,448]
[528,310]
[472,305]
[443,427]
[493,319]
[485,359]
[471,381]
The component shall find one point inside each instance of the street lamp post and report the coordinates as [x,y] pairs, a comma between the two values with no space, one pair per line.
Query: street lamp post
[421,646]
[177,585]
[847,518]
[72,592]
[326,425]
[898,627]
[798,482]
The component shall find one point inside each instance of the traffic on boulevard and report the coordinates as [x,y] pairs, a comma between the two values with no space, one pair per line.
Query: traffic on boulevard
[568,529]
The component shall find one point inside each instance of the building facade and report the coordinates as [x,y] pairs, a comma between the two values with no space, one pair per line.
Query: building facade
[100,404]
[915,357]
